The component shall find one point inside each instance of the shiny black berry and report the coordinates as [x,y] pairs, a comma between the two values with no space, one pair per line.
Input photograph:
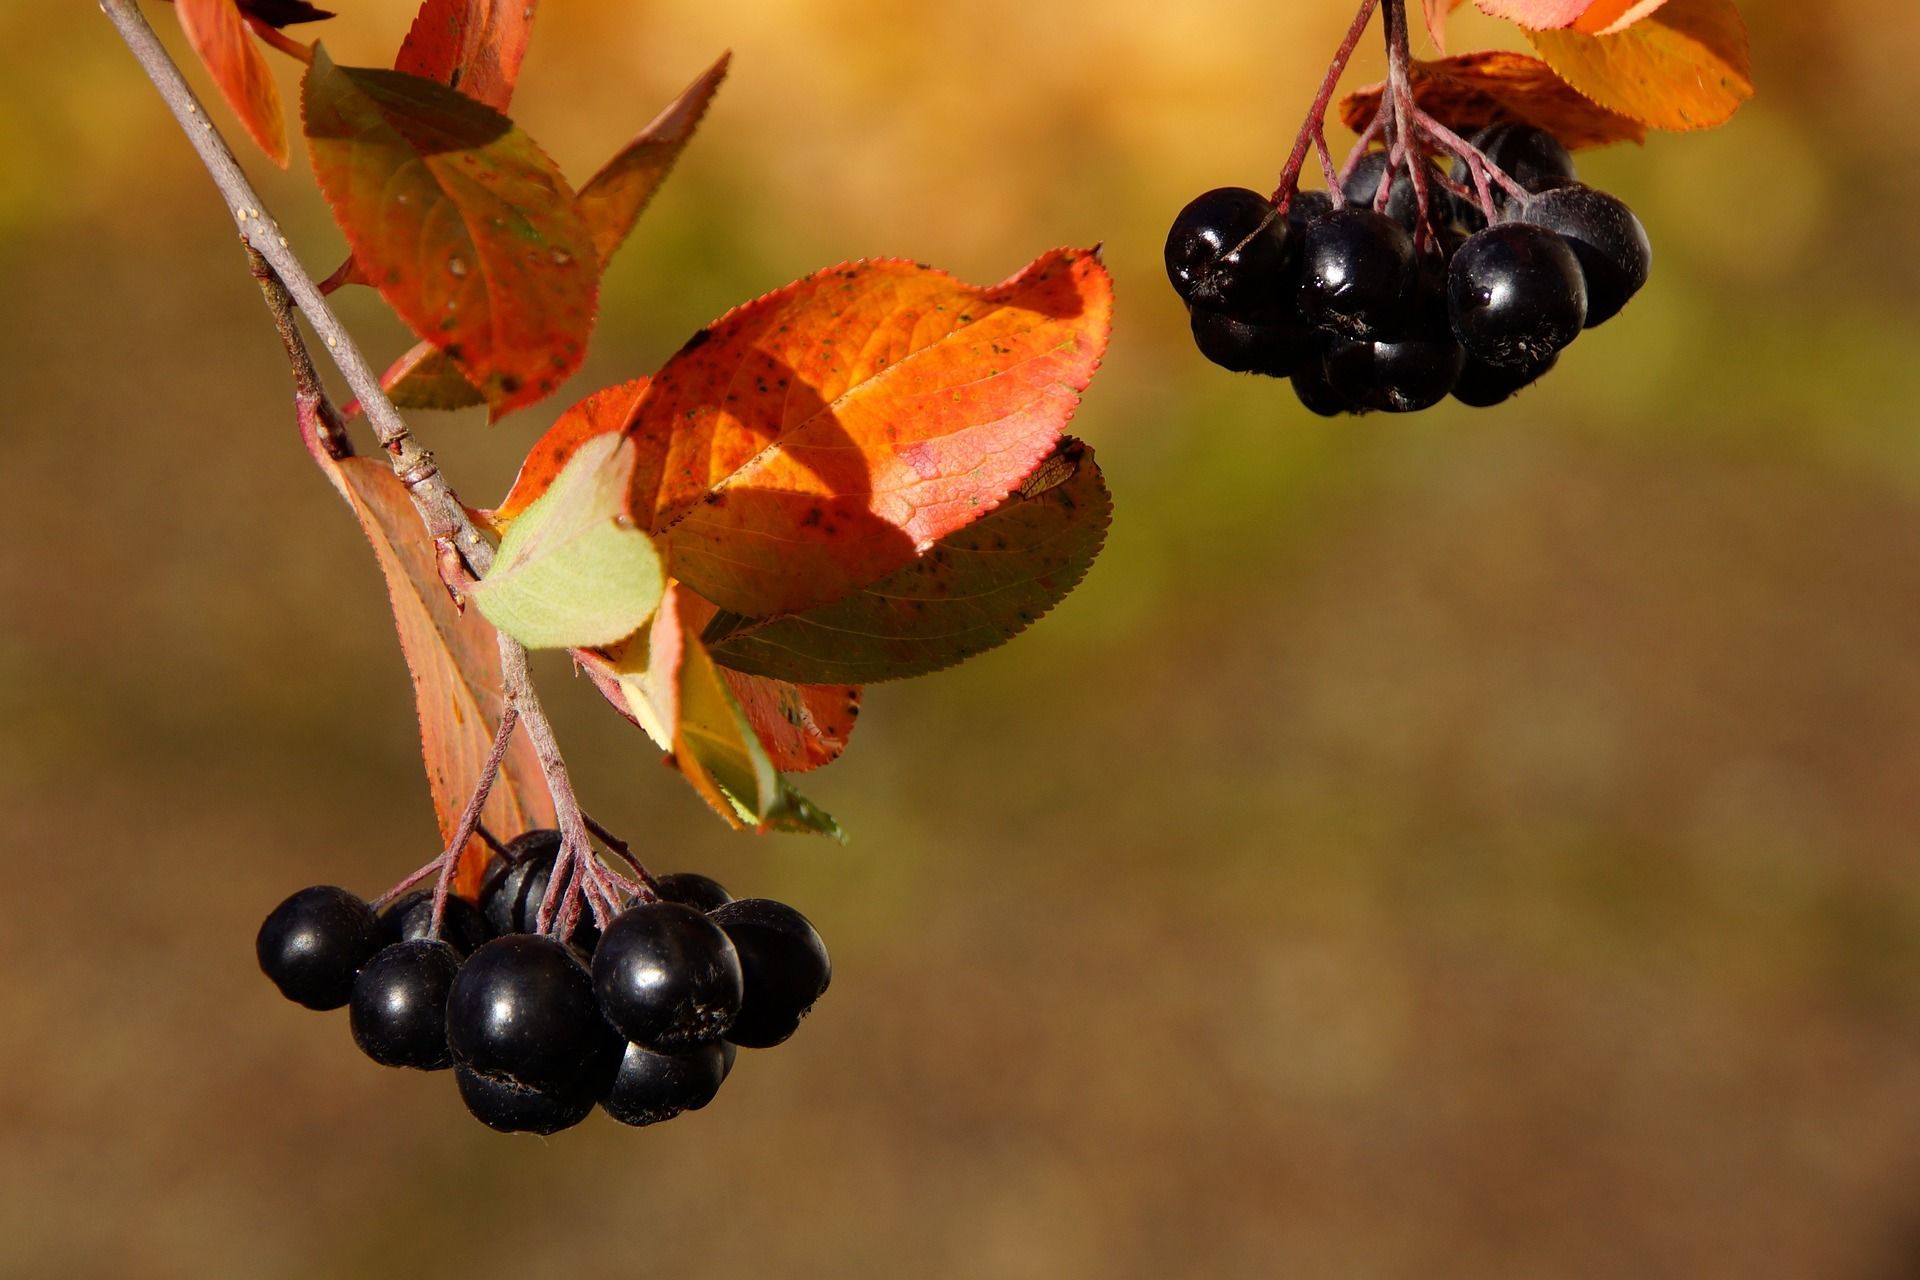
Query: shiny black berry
[1273,345]
[1311,386]
[1484,385]
[1612,247]
[1357,274]
[783,964]
[312,944]
[516,885]
[514,1108]
[463,927]
[691,889]
[399,1007]
[522,1009]
[1515,294]
[1308,207]
[1229,251]
[1400,377]
[667,976]
[651,1086]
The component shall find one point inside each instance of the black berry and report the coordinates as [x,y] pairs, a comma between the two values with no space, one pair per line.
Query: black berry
[651,1086]
[399,1007]
[1307,208]
[1362,187]
[1515,294]
[516,885]
[784,966]
[1272,346]
[1310,384]
[691,889]
[312,944]
[1229,251]
[522,1009]
[667,976]
[1400,377]
[1605,236]
[513,1108]
[1484,385]
[463,927]
[1356,274]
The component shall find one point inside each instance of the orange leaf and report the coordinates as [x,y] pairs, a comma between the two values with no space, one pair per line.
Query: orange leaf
[1535,15]
[282,13]
[1686,66]
[604,411]
[801,726]
[462,222]
[1606,17]
[815,440]
[612,200]
[475,46]
[219,35]
[454,663]
[1473,90]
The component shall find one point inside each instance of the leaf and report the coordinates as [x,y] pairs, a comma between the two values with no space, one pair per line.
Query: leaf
[815,440]
[282,13]
[424,378]
[602,412]
[613,199]
[1686,66]
[474,46]
[453,660]
[978,588]
[219,36]
[1535,15]
[1605,17]
[1473,90]
[572,571]
[464,225]
[685,702]
[1436,12]
[800,726]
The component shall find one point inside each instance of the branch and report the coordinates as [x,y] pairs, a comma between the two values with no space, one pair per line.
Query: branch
[439,509]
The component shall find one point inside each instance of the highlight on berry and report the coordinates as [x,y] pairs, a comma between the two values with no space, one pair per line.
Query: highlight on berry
[1433,265]
[541,1013]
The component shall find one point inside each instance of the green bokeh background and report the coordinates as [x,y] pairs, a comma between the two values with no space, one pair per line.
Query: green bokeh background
[1479,844]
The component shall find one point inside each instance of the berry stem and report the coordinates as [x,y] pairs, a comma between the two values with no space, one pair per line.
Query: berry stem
[1317,113]
[470,816]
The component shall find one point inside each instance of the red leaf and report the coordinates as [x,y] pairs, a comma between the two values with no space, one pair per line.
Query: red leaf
[1607,17]
[1473,90]
[475,46]
[1686,66]
[1436,12]
[462,222]
[821,437]
[453,661]
[801,726]
[1536,15]
[603,411]
[219,35]
[613,198]
[978,588]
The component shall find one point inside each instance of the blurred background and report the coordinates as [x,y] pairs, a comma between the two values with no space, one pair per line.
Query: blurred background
[1475,844]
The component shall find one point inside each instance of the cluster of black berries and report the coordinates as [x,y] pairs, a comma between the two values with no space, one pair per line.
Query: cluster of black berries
[1341,301]
[642,1020]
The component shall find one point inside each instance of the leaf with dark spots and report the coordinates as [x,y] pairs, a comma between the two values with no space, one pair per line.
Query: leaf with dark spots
[221,39]
[977,588]
[428,378]
[465,226]
[612,200]
[474,46]
[827,434]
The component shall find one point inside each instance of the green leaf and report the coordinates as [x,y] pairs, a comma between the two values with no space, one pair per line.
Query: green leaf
[973,590]
[573,571]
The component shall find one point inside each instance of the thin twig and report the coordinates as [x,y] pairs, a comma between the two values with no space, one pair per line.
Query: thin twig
[470,816]
[1317,113]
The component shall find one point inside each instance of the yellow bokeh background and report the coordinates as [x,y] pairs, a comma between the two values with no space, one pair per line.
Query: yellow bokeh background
[1467,845]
